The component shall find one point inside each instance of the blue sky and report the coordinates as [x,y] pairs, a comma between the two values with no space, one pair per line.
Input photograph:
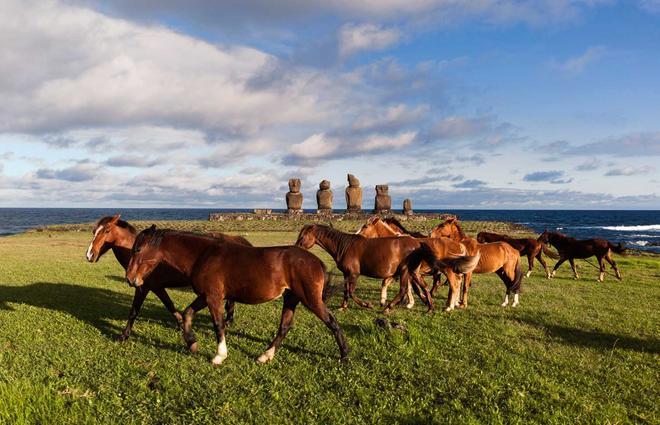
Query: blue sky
[455,104]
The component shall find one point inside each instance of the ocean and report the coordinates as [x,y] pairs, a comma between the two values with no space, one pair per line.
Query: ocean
[636,229]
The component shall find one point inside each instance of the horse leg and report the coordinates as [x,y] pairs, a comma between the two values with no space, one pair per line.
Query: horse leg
[559,263]
[286,321]
[467,282]
[575,272]
[352,286]
[169,305]
[188,314]
[539,256]
[601,274]
[452,296]
[500,272]
[530,262]
[610,260]
[216,308]
[344,304]
[138,299]
[409,294]
[317,307]
[229,312]
[383,290]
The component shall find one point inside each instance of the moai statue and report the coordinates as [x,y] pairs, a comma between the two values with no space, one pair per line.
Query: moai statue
[353,195]
[383,200]
[324,197]
[294,198]
[407,207]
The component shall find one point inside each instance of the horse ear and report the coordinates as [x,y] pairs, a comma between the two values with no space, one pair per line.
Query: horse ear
[115,219]
[152,229]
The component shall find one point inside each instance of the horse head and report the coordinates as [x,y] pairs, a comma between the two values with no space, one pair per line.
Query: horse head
[108,232]
[307,236]
[146,255]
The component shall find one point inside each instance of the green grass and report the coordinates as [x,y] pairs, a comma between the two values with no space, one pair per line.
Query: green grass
[572,352]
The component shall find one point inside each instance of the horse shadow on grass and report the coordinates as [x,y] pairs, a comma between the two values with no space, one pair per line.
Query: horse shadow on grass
[101,307]
[595,339]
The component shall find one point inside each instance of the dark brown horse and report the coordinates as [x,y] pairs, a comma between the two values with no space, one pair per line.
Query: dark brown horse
[529,247]
[112,233]
[496,257]
[356,255]
[221,269]
[571,248]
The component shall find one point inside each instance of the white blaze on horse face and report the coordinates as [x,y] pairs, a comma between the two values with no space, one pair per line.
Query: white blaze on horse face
[89,250]
[222,352]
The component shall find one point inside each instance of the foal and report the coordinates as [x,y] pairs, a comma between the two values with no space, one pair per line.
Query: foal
[529,247]
[112,233]
[221,269]
[571,248]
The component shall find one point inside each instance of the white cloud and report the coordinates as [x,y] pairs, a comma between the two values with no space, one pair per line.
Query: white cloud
[576,65]
[354,38]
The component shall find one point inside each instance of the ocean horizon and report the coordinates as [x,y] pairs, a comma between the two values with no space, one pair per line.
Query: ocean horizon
[638,229]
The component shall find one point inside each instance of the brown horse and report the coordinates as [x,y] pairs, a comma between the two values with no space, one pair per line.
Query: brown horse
[498,257]
[221,269]
[571,248]
[445,256]
[376,227]
[530,247]
[356,255]
[112,233]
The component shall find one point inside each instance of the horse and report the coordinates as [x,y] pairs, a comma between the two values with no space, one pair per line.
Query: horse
[112,233]
[571,248]
[498,257]
[376,227]
[222,269]
[530,247]
[444,256]
[356,255]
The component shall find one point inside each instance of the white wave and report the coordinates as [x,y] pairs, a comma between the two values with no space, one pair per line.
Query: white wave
[651,227]
[640,243]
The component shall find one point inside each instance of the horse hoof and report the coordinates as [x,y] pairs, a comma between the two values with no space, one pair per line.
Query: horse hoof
[383,303]
[121,338]
[193,347]
[430,311]
[448,309]
[369,306]
[462,306]
[344,360]
[217,360]
[387,311]
[267,356]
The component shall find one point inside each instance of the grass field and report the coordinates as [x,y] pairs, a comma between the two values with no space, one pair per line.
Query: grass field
[572,352]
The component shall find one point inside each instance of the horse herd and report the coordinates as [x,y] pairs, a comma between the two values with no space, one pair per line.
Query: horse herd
[224,269]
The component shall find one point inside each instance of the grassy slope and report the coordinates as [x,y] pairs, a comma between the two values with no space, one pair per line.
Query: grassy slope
[572,352]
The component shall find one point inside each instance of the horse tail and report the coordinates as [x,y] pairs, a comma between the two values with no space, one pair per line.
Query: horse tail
[618,248]
[461,264]
[517,279]
[550,253]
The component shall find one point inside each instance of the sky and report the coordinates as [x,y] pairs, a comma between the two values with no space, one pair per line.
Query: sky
[509,104]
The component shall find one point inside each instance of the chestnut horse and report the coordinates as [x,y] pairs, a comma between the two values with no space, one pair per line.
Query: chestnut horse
[396,225]
[444,256]
[112,233]
[356,255]
[498,257]
[376,227]
[530,247]
[571,248]
[222,269]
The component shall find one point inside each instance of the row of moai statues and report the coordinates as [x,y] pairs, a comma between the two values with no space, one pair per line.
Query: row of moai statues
[324,197]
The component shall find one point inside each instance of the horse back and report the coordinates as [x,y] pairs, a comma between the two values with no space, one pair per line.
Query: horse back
[379,257]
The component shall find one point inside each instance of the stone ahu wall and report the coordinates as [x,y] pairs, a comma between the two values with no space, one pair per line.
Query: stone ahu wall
[324,202]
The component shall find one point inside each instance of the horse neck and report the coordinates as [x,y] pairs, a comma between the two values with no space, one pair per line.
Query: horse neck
[122,246]
[385,229]
[334,242]
[182,251]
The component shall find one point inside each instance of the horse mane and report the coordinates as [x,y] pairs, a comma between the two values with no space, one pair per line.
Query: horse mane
[157,236]
[121,223]
[342,240]
[396,222]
